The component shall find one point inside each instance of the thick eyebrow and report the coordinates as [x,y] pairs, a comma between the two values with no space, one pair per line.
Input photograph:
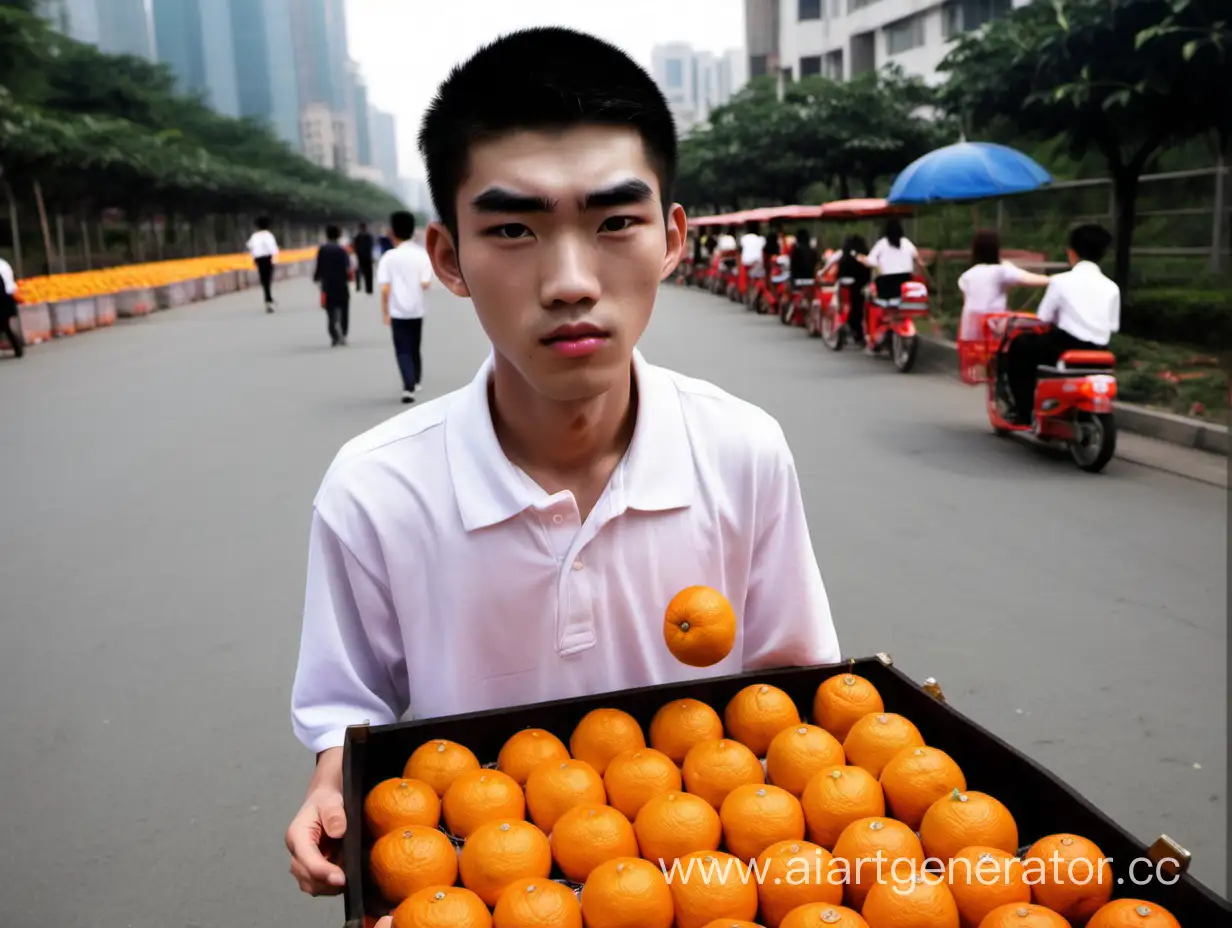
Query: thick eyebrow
[625,193]
[500,200]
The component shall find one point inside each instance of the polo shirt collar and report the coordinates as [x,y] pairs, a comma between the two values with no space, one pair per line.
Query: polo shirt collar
[655,474]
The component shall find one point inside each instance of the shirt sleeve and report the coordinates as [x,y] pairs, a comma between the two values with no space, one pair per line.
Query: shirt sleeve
[350,648]
[1114,311]
[382,271]
[786,617]
[6,276]
[1011,275]
[1050,305]
[876,253]
[425,269]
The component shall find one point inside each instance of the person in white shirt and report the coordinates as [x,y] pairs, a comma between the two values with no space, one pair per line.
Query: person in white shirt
[1084,307]
[752,244]
[403,274]
[264,249]
[895,259]
[9,309]
[519,539]
[986,284]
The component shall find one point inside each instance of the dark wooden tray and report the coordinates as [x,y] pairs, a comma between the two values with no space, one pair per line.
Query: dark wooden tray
[1041,803]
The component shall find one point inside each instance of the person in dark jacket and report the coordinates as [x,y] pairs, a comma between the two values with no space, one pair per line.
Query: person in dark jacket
[362,244]
[333,272]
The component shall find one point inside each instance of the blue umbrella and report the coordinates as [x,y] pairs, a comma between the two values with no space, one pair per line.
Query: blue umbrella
[967,171]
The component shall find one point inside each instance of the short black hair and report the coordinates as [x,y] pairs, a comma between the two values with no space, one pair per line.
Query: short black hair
[402,224]
[541,78]
[333,233]
[986,247]
[1090,241]
[263,222]
[894,231]
[363,227]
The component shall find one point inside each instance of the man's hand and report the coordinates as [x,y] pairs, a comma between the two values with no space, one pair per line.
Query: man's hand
[315,832]
[385,316]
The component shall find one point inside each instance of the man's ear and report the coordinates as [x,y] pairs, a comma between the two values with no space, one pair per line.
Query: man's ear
[677,239]
[444,254]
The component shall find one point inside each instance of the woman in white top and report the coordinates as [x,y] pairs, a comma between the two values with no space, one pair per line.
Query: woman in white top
[986,283]
[895,259]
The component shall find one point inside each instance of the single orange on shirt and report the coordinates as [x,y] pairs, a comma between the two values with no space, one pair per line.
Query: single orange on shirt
[699,626]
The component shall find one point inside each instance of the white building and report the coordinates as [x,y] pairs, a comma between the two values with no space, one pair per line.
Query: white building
[695,82]
[844,38]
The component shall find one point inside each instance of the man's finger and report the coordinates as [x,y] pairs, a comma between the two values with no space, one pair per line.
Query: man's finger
[333,817]
[305,850]
[386,922]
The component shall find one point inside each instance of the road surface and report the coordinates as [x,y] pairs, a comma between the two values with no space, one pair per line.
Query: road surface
[159,480]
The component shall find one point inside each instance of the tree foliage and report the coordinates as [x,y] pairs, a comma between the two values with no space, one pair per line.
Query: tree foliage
[103,131]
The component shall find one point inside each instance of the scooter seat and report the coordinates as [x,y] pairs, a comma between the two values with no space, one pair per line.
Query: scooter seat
[1087,360]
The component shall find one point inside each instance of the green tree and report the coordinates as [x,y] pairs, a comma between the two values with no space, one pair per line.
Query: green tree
[1123,78]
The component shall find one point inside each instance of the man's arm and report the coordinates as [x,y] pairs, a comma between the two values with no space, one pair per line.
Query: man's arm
[786,617]
[1050,305]
[316,271]
[382,281]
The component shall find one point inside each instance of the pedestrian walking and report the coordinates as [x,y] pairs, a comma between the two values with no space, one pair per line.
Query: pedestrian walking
[403,275]
[333,273]
[362,245]
[264,249]
[8,309]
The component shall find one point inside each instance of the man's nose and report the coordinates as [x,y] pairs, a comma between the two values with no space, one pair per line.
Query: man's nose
[569,273]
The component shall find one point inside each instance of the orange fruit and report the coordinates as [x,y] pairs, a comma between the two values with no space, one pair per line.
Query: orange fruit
[755,816]
[869,849]
[823,915]
[588,835]
[699,626]
[442,906]
[710,885]
[397,802]
[757,713]
[796,754]
[438,763]
[842,700]
[732,923]
[668,827]
[983,879]
[499,852]
[682,723]
[627,893]
[1132,913]
[712,769]
[555,787]
[1018,915]
[836,797]
[636,776]
[526,750]
[792,874]
[478,796]
[404,862]
[535,903]
[602,734]
[920,901]
[1070,875]
[915,778]
[961,819]
[875,739]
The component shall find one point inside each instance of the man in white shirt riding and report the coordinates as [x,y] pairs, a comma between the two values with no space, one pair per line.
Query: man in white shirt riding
[519,539]
[403,274]
[264,249]
[1082,304]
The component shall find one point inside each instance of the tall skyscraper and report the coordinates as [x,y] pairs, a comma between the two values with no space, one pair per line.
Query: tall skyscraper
[385,147]
[319,40]
[694,82]
[117,27]
[362,115]
[265,75]
[194,37]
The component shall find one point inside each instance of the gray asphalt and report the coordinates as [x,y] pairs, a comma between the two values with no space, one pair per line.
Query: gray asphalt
[159,477]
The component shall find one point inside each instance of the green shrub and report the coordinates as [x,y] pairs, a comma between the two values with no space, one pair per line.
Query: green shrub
[1187,315]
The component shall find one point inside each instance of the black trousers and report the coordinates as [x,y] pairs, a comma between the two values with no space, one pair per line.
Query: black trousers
[1027,352]
[338,316]
[407,334]
[890,286]
[363,274]
[12,331]
[265,270]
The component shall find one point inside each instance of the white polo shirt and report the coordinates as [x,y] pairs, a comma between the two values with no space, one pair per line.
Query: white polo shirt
[891,260]
[1083,302]
[442,580]
[406,269]
[7,279]
[262,244]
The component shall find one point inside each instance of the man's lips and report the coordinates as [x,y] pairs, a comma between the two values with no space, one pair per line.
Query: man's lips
[569,333]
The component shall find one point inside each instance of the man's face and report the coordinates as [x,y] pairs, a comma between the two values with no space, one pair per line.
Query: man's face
[561,246]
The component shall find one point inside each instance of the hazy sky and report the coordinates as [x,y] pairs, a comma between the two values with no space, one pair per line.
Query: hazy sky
[406,47]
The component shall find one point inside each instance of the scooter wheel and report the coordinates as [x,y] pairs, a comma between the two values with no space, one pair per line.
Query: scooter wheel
[904,350]
[1094,441]
[833,335]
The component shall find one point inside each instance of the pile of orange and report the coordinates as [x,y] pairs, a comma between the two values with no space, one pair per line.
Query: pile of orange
[57,288]
[749,814]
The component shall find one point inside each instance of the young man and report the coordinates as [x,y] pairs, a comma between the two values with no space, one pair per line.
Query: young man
[519,539]
[264,249]
[1082,304]
[333,273]
[403,275]
[363,244]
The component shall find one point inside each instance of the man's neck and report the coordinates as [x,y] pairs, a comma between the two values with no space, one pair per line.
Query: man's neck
[561,441]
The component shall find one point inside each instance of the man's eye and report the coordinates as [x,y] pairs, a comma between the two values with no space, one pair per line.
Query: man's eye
[510,230]
[617,223]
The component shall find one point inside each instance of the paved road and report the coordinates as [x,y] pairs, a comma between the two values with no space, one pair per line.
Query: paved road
[159,477]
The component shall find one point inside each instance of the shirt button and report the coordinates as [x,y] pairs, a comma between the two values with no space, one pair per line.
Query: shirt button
[558,518]
[578,565]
